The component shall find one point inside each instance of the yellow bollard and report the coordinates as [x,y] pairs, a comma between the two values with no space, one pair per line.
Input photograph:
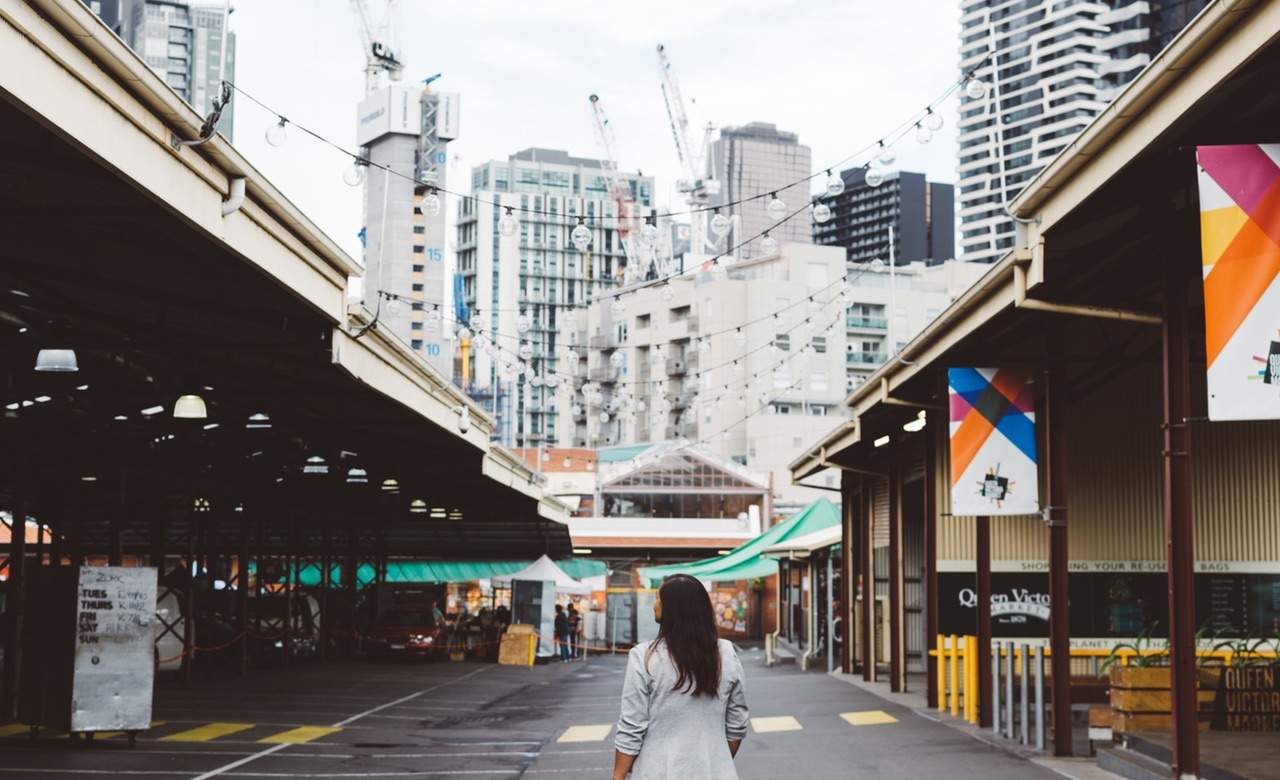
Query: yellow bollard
[942,673]
[954,658]
[971,679]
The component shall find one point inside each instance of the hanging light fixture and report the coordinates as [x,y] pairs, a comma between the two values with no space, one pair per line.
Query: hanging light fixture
[258,421]
[357,476]
[720,223]
[418,507]
[581,236]
[431,203]
[390,485]
[768,244]
[277,134]
[57,361]
[776,209]
[190,407]
[835,185]
[355,175]
[508,225]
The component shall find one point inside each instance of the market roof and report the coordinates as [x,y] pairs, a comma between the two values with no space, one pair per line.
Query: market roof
[801,546]
[450,571]
[747,561]
[678,464]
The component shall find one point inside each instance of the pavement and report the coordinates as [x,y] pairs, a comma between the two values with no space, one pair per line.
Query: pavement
[472,720]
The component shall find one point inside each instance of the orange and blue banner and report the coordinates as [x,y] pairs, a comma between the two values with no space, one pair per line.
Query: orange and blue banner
[1240,253]
[993,441]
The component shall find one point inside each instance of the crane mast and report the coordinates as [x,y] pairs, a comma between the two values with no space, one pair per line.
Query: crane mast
[619,189]
[697,187]
[381,54]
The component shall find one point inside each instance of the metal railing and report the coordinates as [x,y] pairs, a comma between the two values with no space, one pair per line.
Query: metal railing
[866,358]
[866,323]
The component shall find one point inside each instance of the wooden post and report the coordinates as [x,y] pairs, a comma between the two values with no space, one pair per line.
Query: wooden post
[15,604]
[867,565]
[1179,523]
[189,601]
[936,422]
[242,592]
[897,665]
[848,552]
[1055,500]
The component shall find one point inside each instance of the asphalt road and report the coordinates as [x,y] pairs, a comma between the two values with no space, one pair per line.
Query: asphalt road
[470,720]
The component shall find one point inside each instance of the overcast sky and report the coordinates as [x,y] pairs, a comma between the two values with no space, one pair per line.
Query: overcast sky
[838,72]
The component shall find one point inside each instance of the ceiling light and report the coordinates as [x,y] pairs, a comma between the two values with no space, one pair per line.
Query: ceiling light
[13,406]
[210,426]
[582,551]
[152,410]
[20,293]
[88,478]
[883,440]
[916,424]
[357,476]
[258,420]
[25,404]
[315,465]
[43,399]
[723,552]
[201,505]
[119,418]
[22,330]
[391,485]
[56,361]
[190,407]
[82,387]
[417,506]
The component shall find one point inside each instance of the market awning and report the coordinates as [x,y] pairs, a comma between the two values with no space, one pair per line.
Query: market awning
[545,570]
[448,571]
[748,561]
[801,546]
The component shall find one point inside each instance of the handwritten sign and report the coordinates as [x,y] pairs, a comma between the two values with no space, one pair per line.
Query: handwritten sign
[115,658]
[1248,699]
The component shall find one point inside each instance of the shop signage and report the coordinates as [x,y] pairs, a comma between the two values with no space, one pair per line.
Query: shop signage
[1248,699]
[1240,255]
[993,442]
[1019,602]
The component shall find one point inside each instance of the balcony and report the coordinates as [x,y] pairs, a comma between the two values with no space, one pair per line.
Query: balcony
[691,360]
[676,366]
[607,374]
[877,324]
[691,324]
[865,358]
[642,371]
[602,341]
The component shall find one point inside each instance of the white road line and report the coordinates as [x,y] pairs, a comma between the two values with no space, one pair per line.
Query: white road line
[113,772]
[410,773]
[222,770]
[404,699]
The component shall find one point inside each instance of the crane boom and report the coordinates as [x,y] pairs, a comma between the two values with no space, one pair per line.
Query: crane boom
[619,189]
[381,55]
[697,186]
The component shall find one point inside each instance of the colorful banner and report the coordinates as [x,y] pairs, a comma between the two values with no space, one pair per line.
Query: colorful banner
[993,442]
[1240,251]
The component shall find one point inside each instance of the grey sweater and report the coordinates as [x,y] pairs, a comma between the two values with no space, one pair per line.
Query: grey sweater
[676,734]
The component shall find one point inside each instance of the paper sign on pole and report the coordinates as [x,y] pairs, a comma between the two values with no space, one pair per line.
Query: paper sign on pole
[993,442]
[1240,252]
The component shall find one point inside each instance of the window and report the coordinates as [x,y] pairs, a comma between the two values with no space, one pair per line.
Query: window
[418,250]
[419,229]
[820,344]
[415,326]
[417,287]
[782,341]
[418,268]
[416,343]
[818,411]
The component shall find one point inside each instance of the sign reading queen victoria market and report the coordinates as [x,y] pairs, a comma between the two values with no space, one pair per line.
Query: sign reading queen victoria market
[993,441]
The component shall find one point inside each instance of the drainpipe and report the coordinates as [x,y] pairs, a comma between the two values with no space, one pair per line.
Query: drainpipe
[235,196]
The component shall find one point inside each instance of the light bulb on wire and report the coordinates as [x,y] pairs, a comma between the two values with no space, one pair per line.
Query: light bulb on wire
[821,212]
[923,134]
[720,223]
[277,134]
[523,323]
[649,233]
[835,185]
[933,120]
[508,225]
[617,308]
[393,304]
[526,352]
[581,236]
[776,209]
[431,203]
[886,155]
[354,176]
[874,177]
[975,88]
[768,244]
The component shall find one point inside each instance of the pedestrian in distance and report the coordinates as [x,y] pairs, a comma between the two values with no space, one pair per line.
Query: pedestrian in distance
[684,711]
[562,634]
[575,632]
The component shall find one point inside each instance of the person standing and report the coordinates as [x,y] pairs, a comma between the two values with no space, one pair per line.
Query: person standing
[575,632]
[562,633]
[684,711]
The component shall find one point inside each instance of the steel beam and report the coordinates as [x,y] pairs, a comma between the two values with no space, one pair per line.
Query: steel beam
[242,593]
[1179,523]
[15,604]
[897,671]
[1054,424]
[866,564]
[983,567]
[937,423]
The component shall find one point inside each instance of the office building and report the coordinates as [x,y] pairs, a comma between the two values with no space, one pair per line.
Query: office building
[746,362]
[517,285]
[917,213]
[407,128]
[1059,65]
[887,308]
[753,160]
[187,43]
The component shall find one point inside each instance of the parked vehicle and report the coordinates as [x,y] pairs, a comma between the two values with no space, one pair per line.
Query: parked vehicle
[408,631]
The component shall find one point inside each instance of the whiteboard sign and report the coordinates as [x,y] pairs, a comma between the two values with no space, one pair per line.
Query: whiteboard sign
[114,670]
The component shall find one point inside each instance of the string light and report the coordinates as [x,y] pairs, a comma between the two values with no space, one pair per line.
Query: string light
[355,175]
[768,244]
[975,88]
[932,119]
[821,212]
[886,155]
[776,208]
[508,225]
[277,134]
[649,233]
[581,236]
[431,204]
[874,177]
[923,134]
[835,185]
[720,224]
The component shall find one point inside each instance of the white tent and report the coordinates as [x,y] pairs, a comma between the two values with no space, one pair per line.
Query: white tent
[545,570]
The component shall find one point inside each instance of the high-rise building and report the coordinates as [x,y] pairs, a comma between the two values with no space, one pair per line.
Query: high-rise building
[518,284]
[407,128]
[188,43]
[754,160]
[1058,65]
[919,214]
[748,362]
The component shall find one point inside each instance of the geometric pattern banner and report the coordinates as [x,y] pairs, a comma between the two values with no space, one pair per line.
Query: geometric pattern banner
[993,442]
[1240,254]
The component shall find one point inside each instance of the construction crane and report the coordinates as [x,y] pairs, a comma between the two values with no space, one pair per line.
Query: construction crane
[381,54]
[697,187]
[619,189]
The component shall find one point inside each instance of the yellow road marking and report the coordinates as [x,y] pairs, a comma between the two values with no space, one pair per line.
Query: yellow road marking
[9,729]
[105,734]
[207,732]
[596,733]
[779,723]
[300,734]
[868,718]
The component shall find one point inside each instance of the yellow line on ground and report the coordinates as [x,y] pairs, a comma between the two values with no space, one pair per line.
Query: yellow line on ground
[207,732]
[300,734]
[868,718]
[779,723]
[596,733]
[9,729]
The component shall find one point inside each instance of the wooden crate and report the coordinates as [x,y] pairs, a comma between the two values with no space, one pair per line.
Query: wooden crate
[1141,698]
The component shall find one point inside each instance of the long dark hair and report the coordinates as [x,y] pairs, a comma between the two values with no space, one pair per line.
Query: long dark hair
[688,629]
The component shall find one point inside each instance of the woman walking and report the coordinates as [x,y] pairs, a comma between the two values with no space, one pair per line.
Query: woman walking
[684,712]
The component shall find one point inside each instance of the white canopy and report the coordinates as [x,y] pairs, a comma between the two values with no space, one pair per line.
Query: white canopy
[801,546]
[545,570]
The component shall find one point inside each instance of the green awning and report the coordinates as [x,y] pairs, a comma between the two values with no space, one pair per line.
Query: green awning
[446,571]
[747,561]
